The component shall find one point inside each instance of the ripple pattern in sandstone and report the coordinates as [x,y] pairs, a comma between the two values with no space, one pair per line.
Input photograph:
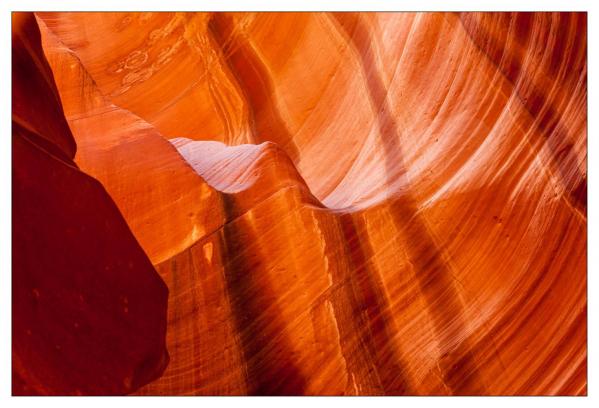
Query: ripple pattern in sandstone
[338,203]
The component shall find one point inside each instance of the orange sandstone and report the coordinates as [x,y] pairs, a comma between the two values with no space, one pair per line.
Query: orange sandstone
[344,203]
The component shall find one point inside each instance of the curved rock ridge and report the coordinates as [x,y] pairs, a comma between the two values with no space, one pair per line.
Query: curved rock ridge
[252,69]
[369,281]
[248,172]
[344,203]
[232,169]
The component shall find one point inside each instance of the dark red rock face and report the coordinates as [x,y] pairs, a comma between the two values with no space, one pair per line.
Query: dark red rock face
[338,203]
[89,309]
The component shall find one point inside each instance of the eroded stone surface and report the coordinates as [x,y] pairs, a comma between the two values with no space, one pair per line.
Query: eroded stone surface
[88,308]
[370,204]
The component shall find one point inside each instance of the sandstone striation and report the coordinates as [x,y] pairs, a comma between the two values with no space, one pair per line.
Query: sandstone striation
[339,203]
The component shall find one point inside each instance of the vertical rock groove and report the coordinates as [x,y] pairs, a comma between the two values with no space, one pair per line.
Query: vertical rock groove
[265,375]
[434,277]
[255,83]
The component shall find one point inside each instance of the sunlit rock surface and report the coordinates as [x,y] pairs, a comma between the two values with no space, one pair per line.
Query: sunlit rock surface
[339,203]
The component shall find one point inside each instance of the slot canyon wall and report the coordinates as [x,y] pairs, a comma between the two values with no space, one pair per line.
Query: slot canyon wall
[299,203]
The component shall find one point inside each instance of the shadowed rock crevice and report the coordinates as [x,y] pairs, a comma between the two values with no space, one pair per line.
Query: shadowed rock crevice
[269,370]
[255,83]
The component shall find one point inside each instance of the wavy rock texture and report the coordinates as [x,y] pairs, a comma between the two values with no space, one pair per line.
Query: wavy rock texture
[344,203]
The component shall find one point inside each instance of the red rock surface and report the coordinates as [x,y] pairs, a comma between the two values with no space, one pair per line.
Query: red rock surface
[357,204]
[89,309]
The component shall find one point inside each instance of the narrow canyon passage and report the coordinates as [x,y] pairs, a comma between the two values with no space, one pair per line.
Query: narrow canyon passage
[338,203]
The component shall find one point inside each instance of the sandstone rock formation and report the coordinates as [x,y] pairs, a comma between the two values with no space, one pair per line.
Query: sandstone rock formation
[339,203]
[88,307]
